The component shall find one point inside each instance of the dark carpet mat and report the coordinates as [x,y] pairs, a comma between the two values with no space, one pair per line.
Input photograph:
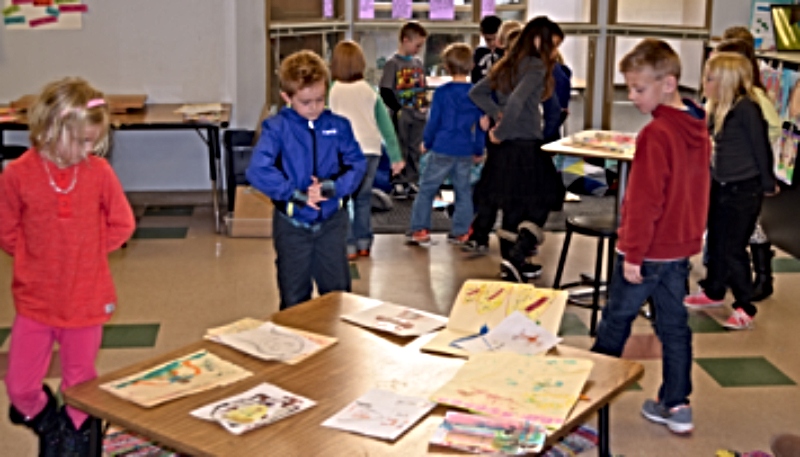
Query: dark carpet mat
[398,219]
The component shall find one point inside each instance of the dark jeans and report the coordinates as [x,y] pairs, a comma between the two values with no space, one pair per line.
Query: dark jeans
[732,214]
[304,254]
[665,282]
[410,126]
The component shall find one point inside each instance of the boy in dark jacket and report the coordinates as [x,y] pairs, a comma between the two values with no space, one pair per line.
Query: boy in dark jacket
[308,162]
[455,139]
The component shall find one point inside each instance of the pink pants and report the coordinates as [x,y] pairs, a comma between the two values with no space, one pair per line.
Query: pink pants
[29,358]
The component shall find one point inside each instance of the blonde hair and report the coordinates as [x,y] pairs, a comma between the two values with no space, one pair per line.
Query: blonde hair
[654,54]
[505,30]
[302,69]
[348,62]
[61,112]
[734,76]
[457,59]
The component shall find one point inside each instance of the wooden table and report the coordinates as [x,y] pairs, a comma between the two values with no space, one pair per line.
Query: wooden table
[163,117]
[333,378]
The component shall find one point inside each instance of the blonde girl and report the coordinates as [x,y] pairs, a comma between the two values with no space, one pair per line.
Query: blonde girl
[62,210]
[352,97]
[741,172]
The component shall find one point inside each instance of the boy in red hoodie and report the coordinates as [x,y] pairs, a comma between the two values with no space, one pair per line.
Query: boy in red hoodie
[663,218]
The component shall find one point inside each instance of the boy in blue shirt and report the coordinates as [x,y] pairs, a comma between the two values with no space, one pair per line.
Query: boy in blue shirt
[308,162]
[454,137]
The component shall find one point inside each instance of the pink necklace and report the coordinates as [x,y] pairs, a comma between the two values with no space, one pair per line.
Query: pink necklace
[55,186]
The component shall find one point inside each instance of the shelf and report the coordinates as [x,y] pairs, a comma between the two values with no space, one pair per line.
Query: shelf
[279,29]
[431,26]
[634,30]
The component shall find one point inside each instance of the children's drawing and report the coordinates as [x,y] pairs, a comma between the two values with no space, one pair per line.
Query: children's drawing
[786,149]
[516,333]
[268,341]
[489,435]
[482,305]
[396,319]
[193,373]
[43,14]
[380,413]
[259,406]
[542,390]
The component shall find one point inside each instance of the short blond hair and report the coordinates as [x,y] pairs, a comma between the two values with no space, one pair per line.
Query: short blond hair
[654,54]
[457,59]
[302,69]
[60,113]
[506,28]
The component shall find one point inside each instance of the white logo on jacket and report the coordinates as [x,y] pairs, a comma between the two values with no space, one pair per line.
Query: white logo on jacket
[329,132]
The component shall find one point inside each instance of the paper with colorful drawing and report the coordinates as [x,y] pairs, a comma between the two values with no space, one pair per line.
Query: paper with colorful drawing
[380,413]
[259,406]
[482,305]
[542,390]
[396,319]
[196,372]
[268,341]
[489,435]
[516,333]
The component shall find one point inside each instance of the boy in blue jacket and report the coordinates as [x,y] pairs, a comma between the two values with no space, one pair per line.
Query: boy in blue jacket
[308,162]
[454,137]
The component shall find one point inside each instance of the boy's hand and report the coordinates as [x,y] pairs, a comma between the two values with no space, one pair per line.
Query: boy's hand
[397,167]
[493,138]
[632,273]
[478,159]
[485,122]
[422,148]
[314,193]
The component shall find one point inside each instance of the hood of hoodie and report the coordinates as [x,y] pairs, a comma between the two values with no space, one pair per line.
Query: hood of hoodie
[689,124]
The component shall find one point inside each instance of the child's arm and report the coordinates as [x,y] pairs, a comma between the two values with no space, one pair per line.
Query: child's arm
[755,126]
[119,216]
[389,136]
[10,212]
[478,137]
[263,173]
[551,112]
[481,95]
[433,124]
[387,86]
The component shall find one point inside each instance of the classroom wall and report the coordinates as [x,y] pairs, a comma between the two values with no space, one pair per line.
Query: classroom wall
[180,51]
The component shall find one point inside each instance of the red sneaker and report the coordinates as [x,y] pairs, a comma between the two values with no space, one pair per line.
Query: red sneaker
[363,252]
[739,320]
[699,300]
[420,237]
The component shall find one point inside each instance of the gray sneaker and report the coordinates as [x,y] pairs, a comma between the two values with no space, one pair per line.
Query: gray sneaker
[677,419]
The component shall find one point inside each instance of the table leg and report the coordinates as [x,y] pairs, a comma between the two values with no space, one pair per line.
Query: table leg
[602,432]
[214,156]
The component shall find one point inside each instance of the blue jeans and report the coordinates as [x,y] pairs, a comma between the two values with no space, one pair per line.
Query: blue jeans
[665,282]
[438,168]
[360,235]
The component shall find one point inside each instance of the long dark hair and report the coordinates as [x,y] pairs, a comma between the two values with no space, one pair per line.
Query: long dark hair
[503,76]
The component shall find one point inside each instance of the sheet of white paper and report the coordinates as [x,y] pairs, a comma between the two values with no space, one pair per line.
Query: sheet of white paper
[380,413]
[259,406]
[269,342]
[516,333]
[397,319]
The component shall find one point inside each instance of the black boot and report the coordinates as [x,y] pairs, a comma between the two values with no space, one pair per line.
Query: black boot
[46,425]
[762,255]
[87,441]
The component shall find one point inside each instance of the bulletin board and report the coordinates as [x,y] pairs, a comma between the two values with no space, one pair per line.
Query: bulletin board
[35,15]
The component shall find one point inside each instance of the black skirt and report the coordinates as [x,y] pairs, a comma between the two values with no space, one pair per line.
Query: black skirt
[518,174]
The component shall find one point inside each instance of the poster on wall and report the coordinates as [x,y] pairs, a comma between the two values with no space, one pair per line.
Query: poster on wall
[43,14]
[761,23]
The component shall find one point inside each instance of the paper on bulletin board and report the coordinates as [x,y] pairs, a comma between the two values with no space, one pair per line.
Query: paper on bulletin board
[487,8]
[366,9]
[401,9]
[442,10]
[43,14]
[761,23]
[327,9]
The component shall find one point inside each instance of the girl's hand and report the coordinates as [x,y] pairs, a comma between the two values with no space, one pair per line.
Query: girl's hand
[397,167]
[478,159]
[484,123]
[493,138]
[314,193]
[632,273]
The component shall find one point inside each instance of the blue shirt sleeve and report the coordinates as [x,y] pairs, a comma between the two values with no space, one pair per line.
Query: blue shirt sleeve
[263,173]
[434,120]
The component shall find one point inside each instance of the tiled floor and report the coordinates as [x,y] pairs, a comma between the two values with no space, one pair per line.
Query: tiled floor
[171,288]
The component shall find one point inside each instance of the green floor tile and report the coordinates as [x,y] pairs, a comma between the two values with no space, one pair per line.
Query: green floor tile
[744,372]
[130,336]
[354,271]
[703,323]
[185,210]
[634,387]
[160,232]
[786,265]
[4,332]
[572,325]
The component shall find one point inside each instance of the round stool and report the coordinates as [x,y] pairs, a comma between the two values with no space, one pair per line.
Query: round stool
[604,228]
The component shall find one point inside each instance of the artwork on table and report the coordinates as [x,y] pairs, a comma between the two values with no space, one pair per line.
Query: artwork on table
[542,390]
[196,372]
[516,333]
[481,305]
[396,319]
[381,414]
[43,14]
[489,435]
[259,406]
[268,341]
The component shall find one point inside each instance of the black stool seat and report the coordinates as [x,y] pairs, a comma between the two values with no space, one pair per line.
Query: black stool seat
[593,225]
[604,228]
